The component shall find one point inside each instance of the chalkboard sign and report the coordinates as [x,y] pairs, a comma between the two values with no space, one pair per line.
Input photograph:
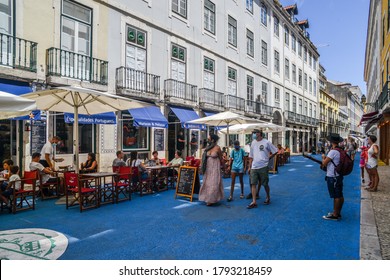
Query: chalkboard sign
[187,182]
[273,165]
[38,136]
[159,139]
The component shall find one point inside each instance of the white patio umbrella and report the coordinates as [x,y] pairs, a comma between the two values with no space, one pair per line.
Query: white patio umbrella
[225,119]
[77,100]
[249,127]
[12,106]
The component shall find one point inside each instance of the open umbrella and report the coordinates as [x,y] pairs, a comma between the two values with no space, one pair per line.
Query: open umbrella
[249,127]
[225,119]
[77,100]
[12,106]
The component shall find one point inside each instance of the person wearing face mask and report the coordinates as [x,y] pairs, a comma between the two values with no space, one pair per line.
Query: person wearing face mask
[236,166]
[261,152]
[211,190]
[48,152]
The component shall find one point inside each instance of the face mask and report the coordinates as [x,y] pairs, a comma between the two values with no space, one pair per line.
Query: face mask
[236,147]
[254,136]
[54,144]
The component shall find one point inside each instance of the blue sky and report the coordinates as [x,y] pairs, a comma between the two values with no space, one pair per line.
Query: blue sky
[338,28]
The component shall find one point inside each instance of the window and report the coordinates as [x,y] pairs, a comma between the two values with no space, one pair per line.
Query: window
[208,73]
[232,81]
[263,14]
[250,43]
[310,60]
[287,104]
[249,5]
[314,63]
[264,92]
[286,36]
[293,43]
[287,69]
[136,57]
[315,112]
[310,110]
[294,73]
[276,26]
[300,48]
[134,138]
[300,77]
[249,87]
[305,109]
[305,53]
[310,85]
[264,53]
[209,16]
[300,106]
[180,7]
[178,63]
[305,81]
[5,18]
[276,61]
[277,95]
[315,87]
[232,31]
[294,104]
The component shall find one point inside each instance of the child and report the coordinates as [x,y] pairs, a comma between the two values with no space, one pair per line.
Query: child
[363,161]
[5,195]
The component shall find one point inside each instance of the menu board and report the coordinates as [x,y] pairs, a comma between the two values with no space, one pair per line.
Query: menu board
[187,182]
[38,136]
[159,139]
[273,165]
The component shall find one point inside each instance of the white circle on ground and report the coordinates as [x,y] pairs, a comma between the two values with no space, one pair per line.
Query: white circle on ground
[32,244]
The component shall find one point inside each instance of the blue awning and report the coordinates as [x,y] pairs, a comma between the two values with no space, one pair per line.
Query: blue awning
[207,113]
[14,87]
[186,115]
[104,118]
[149,117]
[34,115]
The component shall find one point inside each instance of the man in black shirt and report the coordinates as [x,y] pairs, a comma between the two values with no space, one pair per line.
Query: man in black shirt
[193,144]
[180,141]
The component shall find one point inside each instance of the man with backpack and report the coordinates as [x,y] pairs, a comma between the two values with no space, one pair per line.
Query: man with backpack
[338,164]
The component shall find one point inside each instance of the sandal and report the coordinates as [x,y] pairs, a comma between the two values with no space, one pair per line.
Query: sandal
[252,205]
[230,199]
[267,201]
[372,190]
[242,196]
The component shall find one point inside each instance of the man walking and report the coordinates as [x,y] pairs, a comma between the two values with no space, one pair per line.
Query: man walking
[260,153]
[180,141]
[333,179]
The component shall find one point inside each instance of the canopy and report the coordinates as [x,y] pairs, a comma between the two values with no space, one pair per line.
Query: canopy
[186,115]
[13,106]
[149,117]
[249,127]
[79,100]
[369,117]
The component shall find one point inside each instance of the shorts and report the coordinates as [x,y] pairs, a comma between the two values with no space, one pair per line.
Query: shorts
[335,186]
[260,175]
[237,170]
[371,167]
[7,193]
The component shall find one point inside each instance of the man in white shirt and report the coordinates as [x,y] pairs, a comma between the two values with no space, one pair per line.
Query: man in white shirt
[119,159]
[260,153]
[44,171]
[333,179]
[48,152]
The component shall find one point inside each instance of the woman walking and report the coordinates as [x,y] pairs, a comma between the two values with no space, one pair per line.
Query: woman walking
[211,190]
[372,164]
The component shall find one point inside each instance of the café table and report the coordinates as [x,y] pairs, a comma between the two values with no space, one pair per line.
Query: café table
[106,193]
[159,177]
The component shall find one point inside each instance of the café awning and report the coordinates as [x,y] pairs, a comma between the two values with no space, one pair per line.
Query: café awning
[104,118]
[186,115]
[149,117]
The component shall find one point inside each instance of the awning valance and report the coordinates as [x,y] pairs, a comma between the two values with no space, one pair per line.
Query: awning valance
[149,117]
[104,118]
[369,117]
[186,115]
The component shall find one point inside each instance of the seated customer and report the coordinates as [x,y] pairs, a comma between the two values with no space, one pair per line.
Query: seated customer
[176,162]
[280,150]
[134,161]
[44,171]
[14,176]
[6,173]
[90,165]
[119,159]
[154,161]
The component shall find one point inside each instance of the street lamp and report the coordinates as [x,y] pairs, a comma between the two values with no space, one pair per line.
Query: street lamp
[363,100]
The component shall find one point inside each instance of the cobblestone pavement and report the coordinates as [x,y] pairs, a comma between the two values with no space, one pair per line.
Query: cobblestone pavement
[375,222]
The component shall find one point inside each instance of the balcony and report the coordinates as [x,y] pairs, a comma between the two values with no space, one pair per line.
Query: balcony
[69,65]
[179,92]
[18,54]
[138,84]
[235,103]
[384,97]
[211,100]
[322,118]
[258,109]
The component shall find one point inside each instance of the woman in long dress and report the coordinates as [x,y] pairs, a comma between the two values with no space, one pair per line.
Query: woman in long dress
[211,190]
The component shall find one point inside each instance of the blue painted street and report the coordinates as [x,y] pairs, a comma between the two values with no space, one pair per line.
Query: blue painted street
[161,227]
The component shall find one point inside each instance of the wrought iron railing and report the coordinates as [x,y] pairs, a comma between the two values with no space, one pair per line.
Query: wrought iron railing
[174,88]
[258,108]
[234,102]
[18,53]
[384,97]
[139,81]
[211,97]
[67,64]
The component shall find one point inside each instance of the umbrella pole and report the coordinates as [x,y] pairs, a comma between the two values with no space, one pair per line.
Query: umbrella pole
[227,142]
[76,133]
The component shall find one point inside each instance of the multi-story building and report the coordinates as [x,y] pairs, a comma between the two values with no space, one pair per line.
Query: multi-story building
[376,75]
[188,58]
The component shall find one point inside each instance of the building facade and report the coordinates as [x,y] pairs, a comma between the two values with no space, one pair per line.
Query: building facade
[188,58]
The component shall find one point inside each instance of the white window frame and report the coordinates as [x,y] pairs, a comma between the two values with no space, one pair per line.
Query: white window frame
[276,26]
[276,61]
[249,6]
[294,73]
[286,36]
[287,69]
[263,14]
[249,87]
[209,17]
[232,81]
[232,31]
[250,45]
[264,53]
[178,6]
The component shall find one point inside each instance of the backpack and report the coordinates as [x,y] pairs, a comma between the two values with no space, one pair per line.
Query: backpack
[345,166]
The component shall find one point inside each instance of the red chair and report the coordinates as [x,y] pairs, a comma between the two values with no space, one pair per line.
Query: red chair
[77,193]
[190,159]
[24,198]
[139,184]
[122,184]
[195,162]
[163,161]
[49,189]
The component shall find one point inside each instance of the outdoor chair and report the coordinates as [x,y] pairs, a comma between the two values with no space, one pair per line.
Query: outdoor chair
[139,184]
[49,189]
[122,183]
[77,192]
[24,198]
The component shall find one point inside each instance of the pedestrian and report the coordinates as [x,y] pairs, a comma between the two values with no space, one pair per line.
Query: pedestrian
[351,147]
[363,161]
[372,164]
[333,179]
[48,152]
[211,190]
[180,141]
[193,144]
[261,152]
[118,161]
[236,166]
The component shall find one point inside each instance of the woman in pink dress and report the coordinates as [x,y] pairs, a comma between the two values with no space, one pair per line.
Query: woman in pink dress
[212,189]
